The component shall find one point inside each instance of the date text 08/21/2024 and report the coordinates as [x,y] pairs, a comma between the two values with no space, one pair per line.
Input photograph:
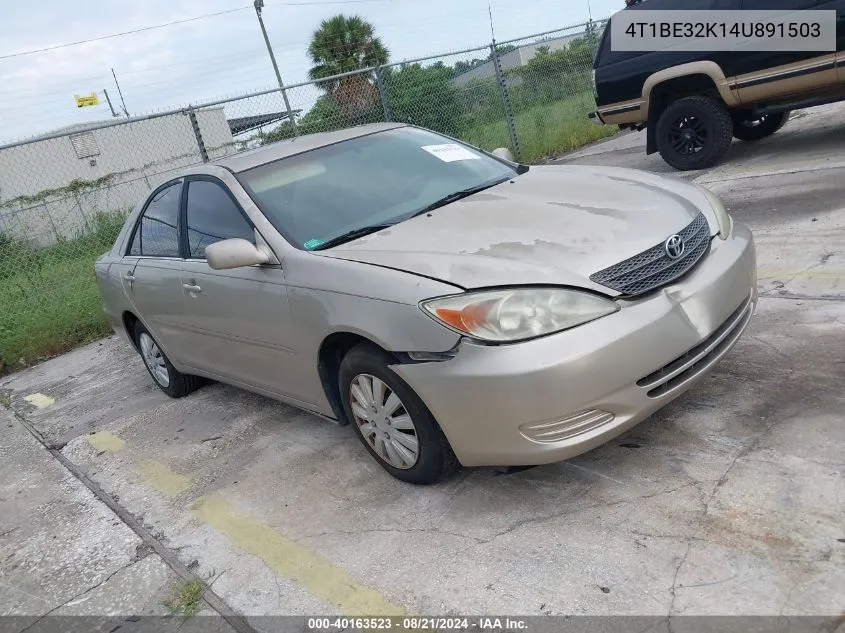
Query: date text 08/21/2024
[328,624]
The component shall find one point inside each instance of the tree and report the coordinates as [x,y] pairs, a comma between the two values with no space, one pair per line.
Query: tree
[345,44]
[424,96]
[552,75]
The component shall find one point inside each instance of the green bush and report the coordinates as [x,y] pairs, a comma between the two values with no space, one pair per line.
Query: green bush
[424,96]
[543,130]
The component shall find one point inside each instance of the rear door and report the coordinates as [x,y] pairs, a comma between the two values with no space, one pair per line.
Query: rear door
[762,75]
[840,38]
[154,284]
[240,322]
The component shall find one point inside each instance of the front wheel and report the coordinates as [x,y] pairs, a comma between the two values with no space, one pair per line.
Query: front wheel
[391,421]
[694,132]
[749,128]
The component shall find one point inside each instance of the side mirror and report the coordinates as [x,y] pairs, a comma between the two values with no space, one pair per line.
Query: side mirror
[234,253]
[503,152]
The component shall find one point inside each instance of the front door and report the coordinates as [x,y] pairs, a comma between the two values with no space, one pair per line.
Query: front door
[240,318]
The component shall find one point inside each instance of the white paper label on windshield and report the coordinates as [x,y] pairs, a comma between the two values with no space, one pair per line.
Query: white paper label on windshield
[450,152]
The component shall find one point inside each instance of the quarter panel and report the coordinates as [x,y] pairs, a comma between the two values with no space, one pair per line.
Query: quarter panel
[109,273]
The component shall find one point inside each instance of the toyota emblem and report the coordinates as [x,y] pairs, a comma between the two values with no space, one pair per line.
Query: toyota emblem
[674,246]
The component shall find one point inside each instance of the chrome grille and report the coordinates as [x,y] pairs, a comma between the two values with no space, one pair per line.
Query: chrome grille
[654,268]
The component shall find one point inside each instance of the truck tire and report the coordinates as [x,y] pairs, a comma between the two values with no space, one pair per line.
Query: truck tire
[751,129]
[694,132]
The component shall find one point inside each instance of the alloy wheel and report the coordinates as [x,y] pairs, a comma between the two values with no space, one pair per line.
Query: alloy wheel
[688,135]
[754,122]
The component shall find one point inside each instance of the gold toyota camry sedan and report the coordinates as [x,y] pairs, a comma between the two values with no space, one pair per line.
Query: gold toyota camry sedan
[452,306]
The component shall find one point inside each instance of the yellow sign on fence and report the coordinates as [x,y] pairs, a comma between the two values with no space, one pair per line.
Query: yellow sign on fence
[86,100]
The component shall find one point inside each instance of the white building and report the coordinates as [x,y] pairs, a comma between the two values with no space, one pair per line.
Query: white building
[51,187]
[519,56]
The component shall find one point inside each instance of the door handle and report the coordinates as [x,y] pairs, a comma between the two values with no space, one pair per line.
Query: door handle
[129,277]
[191,288]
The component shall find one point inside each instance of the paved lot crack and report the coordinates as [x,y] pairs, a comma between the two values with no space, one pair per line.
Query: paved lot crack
[215,602]
[674,587]
[795,296]
[80,595]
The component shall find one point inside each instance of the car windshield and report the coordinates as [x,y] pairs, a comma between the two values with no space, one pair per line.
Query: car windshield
[324,195]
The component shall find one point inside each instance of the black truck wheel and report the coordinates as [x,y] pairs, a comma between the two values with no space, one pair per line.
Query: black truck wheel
[694,132]
[749,128]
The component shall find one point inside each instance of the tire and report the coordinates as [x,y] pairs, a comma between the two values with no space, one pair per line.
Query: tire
[391,435]
[694,132]
[749,129]
[172,382]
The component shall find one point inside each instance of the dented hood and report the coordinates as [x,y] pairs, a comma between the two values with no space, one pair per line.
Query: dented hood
[552,225]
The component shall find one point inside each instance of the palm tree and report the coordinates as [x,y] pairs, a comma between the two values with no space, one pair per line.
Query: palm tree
[344,44]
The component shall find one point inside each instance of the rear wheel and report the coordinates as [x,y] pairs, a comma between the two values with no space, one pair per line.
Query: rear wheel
[391,421]
[694,132]
[171,381]
[749,128]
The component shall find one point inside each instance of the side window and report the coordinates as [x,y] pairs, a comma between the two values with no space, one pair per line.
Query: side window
[213,216]
[157,234]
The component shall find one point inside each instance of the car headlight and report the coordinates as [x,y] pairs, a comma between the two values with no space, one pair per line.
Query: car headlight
[517,314]
[723,219]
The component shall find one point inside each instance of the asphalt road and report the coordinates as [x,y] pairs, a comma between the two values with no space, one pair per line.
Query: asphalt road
[728,501]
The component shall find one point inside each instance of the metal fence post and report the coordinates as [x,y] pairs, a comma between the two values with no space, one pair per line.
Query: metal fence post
[383,94]
[192,115]
[506,103]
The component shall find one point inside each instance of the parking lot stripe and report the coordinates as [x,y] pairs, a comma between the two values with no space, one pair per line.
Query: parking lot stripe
[39,400]
[105,441]
[162,478]
[312,572]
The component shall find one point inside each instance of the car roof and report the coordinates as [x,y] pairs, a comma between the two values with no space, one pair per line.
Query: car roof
[296,145]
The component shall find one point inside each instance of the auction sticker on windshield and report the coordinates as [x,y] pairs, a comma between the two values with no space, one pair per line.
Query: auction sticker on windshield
[450,152]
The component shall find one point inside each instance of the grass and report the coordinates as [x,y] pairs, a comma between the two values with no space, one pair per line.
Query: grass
[544,130]
[49,300]
[185,598]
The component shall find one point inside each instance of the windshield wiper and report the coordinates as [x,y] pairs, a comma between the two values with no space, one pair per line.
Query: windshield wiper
[458,195]
[366,230]
[351,235]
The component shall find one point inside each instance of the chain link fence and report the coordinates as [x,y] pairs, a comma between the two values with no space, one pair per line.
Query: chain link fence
[64,196]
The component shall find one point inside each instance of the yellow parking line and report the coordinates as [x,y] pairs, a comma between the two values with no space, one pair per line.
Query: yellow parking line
[39,400]
[162,478]
[310,571]
[105,441]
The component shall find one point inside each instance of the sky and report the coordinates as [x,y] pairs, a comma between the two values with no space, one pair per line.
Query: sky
[224,55]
